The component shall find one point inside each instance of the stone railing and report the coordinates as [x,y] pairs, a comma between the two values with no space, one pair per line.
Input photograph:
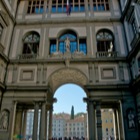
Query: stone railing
[106,54]
[76,54]
[27,56]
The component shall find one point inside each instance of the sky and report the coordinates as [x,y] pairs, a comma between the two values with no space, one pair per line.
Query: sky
[67,96]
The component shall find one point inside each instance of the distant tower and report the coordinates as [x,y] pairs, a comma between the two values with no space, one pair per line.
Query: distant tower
[72,113]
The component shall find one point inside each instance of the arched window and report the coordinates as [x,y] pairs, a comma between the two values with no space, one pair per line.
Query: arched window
[73,42]
[105,41]
[31,43]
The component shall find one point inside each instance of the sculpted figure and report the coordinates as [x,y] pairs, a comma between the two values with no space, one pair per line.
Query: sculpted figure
[4,120]
[67,43]
[131,120]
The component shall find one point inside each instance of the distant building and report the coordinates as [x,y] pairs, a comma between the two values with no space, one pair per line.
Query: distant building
[58,125]
[107,123]
[77,127]
[29,124]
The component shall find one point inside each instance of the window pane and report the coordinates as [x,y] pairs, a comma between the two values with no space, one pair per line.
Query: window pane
[53,9]
[100,5]
[82,46]
[62,47]
[52,46]
[35,6]
[59,9]
[73,47]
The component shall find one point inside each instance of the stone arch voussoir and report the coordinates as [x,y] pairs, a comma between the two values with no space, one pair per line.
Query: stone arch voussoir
[67,75]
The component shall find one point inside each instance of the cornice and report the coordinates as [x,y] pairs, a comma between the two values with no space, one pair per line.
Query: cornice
[73,60]
[8,12]
[68,20]
[28,87]
[121,86]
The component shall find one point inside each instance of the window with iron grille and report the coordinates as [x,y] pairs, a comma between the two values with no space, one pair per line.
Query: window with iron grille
[35,7]
[101,5]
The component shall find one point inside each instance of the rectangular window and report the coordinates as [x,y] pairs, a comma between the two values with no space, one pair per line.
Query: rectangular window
[59,6]
[1,30]
[35,7]
[101,5]
[82,46]
[52,46]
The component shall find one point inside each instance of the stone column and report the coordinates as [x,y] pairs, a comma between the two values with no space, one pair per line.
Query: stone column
[24,123]
[13,120]
[42,122]
[115,121]
[50,123]
[35,123]
[46,124]
[121,122]
[98,121]
[91,121]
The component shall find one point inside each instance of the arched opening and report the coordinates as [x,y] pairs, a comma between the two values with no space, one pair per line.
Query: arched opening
[69,113]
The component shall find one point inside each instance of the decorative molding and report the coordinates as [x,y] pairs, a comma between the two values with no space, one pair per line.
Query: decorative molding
[27,75]
[67,76]
[108,73]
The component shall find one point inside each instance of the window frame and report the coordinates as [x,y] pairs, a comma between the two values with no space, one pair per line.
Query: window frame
[60,7]
[103,43]
[34,44]
[101,5]
[74,42]
[36,7]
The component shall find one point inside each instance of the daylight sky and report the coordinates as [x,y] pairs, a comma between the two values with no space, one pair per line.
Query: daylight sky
[68,95]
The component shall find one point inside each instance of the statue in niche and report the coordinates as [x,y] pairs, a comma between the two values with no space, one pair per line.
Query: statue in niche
[131,121]
[4,120]
[67,44]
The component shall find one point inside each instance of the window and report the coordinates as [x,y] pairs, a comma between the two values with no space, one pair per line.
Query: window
[59,6]
[31,43]
[104,41]
[1,30]
[35,7]
[101,5]
[68,41]
[82,46]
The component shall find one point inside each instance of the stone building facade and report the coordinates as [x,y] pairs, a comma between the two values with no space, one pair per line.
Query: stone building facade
[102,57]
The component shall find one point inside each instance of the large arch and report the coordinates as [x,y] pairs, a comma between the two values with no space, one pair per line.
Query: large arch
[67,75]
